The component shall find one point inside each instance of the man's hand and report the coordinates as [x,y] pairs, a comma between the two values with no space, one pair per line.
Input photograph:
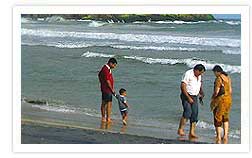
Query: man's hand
[201,101]
[190,100]
[202,95]
[113,92]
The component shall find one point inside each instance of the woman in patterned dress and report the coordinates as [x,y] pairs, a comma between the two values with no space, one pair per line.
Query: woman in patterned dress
[221,103]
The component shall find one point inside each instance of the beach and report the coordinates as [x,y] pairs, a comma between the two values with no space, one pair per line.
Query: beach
[60,61]
[47,133]
[51,127]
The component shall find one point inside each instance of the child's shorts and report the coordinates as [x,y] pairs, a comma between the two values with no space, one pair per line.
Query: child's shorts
[124,111]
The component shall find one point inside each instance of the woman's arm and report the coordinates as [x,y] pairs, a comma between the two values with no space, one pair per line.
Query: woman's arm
[217,85]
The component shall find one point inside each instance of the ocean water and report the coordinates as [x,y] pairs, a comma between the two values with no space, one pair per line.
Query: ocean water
[61,59]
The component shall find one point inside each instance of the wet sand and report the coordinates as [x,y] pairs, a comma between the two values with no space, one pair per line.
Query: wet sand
[34,132]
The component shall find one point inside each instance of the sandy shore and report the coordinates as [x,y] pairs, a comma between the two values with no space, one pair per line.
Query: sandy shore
[48,133]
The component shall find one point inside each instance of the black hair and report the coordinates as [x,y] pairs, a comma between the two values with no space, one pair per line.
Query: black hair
[217,68]
[112,60]
[199,67]
[122,90]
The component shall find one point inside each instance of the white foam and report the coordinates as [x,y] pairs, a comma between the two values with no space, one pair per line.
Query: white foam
[232,133]
[154,48]
[233,22]
[96,24]
[205,125]
[63,109]
[67,109]
[139,22]
[91,54]
[231,51]
[160,48]
[83,20]
[230,22]
[54,19]
[235,134]
[25,20]
[190,62]
[144,38]
[70,45]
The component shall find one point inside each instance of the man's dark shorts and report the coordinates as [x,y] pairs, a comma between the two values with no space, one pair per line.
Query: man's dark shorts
[107,97]
[190,110]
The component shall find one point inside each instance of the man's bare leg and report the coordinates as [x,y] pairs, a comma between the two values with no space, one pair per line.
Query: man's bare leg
[103,107]
[108,109]
[192,130]
[182,126]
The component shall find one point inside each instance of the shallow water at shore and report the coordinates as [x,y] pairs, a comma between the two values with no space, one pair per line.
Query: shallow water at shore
[78,120]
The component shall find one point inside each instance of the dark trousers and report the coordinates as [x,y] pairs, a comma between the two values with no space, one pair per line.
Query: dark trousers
[190,110]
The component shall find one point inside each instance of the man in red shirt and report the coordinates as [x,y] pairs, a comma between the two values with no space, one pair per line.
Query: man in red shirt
[107,88]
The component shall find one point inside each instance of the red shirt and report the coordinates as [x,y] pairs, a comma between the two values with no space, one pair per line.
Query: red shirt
[104,75]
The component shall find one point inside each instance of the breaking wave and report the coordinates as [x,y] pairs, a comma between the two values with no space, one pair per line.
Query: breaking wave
[96,24]
[229,22]
[190,62]
[232,133]
[143,38]
[57,106]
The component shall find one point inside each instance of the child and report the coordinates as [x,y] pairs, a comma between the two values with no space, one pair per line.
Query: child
[123,105]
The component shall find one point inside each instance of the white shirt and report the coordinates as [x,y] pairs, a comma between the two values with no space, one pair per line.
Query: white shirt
[193,83]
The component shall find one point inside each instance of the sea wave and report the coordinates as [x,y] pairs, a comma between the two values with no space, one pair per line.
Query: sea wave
[154,48]
[68,44]
[232,133]
[59,106]
[96,24]
[229,22]
[62,108]
[179,22]
[190,62]
[54,19]
[25,20]
[28,20]
[91,55]
[143,38]
[184,49]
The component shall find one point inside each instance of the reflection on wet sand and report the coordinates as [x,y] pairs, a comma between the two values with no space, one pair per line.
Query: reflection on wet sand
[123,129]
[105,125]
[183,138]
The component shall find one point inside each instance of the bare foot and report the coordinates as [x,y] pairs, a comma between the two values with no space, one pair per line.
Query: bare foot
[181,132]
[124,122]
[218,141]
[225,140]
[103,119]
[109,121]
[193,136]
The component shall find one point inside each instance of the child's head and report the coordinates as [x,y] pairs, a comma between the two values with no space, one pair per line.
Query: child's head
[122,91]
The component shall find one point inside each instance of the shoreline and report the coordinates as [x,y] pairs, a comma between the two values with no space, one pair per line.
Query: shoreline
[39,132]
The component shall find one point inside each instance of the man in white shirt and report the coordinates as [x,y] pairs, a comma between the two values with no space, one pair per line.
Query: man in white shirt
[191,88]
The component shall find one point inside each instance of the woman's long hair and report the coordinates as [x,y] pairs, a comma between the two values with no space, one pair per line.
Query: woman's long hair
[217,68]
